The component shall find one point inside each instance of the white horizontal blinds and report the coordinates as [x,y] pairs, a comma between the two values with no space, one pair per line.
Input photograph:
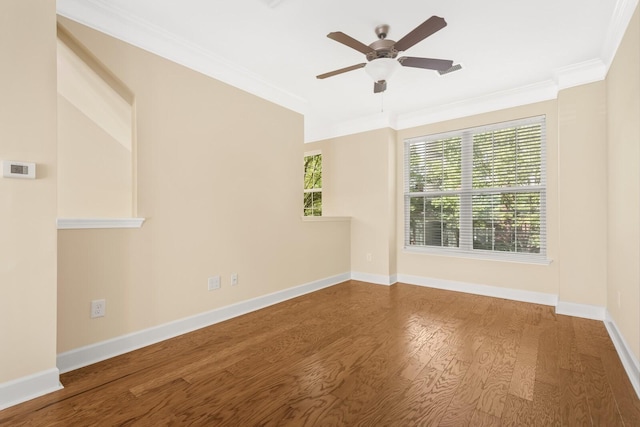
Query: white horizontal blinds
[434,181]
[478,190]
[507,184]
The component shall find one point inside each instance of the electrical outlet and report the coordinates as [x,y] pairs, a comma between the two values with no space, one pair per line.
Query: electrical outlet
[98,308]
[234,279]
[369,257]
[213,283]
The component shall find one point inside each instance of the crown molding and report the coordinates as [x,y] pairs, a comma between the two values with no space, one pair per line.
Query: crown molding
[500,100]
[622,15]
[510,98]
[105,17]
[580,74]
[319,131]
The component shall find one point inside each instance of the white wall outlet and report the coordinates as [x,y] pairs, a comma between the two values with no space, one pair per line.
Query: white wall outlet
[369,257]
[213,283]
[234,279]
[98,308]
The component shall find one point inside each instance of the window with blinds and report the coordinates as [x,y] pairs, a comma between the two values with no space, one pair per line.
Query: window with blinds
[478,191]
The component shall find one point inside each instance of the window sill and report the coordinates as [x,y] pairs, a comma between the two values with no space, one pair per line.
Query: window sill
[520,259]
[325,218]
[86,223]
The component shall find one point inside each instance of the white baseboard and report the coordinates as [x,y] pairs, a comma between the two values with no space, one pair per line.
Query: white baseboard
[485,290]
[629,361]
[29,387]
[93,353]
[377,279]
[585,311]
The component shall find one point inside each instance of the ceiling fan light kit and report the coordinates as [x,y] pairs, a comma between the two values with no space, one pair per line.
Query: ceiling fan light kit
[381,68]
[381,54]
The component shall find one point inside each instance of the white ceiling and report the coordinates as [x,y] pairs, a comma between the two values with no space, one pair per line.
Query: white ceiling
[511,51]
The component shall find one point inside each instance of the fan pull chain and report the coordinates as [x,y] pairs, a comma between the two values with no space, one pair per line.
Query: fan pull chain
[382,102]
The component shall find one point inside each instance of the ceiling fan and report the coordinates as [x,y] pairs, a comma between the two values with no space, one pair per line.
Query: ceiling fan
[381,54]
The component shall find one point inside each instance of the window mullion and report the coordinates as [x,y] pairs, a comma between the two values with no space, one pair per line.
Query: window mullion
[466,208]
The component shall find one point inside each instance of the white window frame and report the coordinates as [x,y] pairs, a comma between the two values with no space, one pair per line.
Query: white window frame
[466,193]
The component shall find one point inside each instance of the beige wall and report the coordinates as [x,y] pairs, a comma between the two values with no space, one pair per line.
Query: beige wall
[220,183]
[95,141]
[623,103]
[95,178]
[528,277]
[359,182]
[28,207]
[582,196]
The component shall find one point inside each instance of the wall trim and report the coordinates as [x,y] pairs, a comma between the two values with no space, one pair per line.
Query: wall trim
[98,352]
[377,279]
[629,361]
[500,100]
[586,311]
[325,218]
[617,28]
[485,290]
[29,387]
[84,223]
[318,130]
[582,73]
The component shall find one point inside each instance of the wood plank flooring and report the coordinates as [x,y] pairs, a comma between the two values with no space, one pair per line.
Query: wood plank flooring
[358,354]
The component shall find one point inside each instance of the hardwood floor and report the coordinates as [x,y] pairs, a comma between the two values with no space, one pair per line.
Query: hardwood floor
[358,354]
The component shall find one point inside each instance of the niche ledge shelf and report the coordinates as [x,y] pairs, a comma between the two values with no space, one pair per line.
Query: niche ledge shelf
[84,223]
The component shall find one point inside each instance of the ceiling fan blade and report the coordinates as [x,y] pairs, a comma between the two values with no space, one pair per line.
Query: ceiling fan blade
[346,40]
[340,71]
[421,32]
[428,63]
[380,86]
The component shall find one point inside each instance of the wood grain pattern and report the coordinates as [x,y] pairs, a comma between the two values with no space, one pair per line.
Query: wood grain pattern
[524,372]
[602,405]
[546,404]
[358,354]
[574,406]
[568,356]
[495,389]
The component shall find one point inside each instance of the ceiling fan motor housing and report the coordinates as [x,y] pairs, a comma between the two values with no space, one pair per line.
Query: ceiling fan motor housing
[384,48]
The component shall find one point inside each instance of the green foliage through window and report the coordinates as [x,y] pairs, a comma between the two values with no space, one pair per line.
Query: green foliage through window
[313,185]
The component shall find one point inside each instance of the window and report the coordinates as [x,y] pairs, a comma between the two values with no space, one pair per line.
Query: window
[478,191]
[313,184]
